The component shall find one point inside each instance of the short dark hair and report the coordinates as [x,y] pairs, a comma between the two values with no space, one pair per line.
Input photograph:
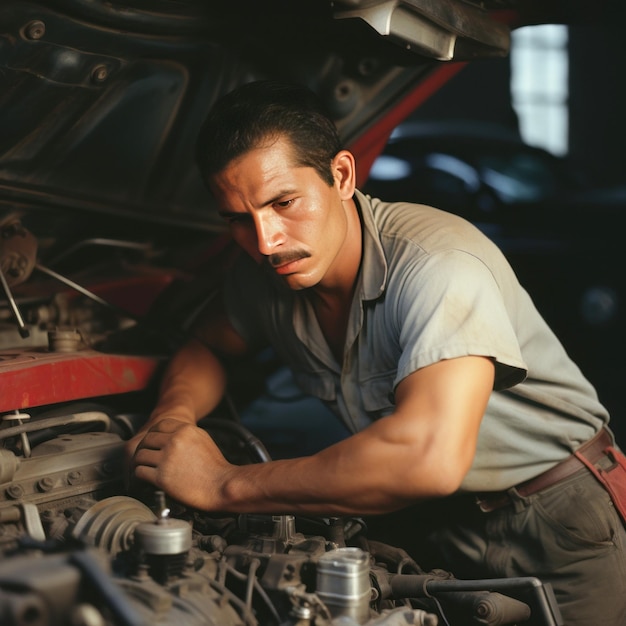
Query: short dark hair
[249,115]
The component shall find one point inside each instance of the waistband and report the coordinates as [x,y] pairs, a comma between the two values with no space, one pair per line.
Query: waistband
[593,450]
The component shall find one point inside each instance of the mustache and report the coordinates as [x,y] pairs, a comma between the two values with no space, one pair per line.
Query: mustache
[280,258]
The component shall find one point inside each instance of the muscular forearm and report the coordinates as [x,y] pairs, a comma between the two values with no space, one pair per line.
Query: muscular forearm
[423,450]
[308,485]
[192,386]
[364,474]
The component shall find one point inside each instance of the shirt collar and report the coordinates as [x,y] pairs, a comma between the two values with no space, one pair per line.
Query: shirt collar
[373,263]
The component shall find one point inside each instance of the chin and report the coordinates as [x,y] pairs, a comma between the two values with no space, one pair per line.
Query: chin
[296,285]
[298,282]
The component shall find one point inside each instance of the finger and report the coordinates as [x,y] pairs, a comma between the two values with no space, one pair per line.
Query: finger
[147,474]
[147,457]
[130,447]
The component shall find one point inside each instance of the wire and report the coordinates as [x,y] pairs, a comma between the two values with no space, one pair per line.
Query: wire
[441,612]
[257,586]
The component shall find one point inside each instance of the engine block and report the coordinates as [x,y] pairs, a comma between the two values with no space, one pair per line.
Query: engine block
[79,548]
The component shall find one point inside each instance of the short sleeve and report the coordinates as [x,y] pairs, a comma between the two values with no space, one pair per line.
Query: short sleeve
[449,306]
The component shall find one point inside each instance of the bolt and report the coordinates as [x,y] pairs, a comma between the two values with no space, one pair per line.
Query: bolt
[482,610]
[35,30]
[74,477]
[45,484]
[15,492]
[16,265]
[99,73]
[367,66]
[142,572]
[289,572]
[108,468]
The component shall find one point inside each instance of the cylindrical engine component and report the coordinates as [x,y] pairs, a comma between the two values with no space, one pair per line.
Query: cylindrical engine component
[343,583]
[64,340]
[23,608]
[8,466]
[110,523]
[164,537]
[164,545]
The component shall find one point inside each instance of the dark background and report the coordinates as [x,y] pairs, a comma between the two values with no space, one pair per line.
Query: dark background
[591,232]
[597,101]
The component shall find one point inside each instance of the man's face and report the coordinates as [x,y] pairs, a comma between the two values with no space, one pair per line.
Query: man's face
[285,215]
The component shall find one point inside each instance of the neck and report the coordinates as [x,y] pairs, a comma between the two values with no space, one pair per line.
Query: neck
[332,309]
[332,297]
[337,287]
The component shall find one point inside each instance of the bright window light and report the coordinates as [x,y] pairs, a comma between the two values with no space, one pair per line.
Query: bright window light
[539,85]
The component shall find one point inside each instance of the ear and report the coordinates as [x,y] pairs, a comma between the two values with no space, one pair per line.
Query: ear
[343,167]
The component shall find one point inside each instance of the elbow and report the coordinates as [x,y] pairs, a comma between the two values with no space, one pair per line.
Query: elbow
[437,479]
[444,464]
[417,488]
[446,483]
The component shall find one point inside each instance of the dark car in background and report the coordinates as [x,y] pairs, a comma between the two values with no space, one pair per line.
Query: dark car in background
[560,230]
[110,247]
[477,169]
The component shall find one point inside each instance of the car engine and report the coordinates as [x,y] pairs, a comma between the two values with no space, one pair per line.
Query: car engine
[74,551]
[81,547]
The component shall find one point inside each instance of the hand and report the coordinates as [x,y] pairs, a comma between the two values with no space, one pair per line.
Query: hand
[131,445]
[182,460]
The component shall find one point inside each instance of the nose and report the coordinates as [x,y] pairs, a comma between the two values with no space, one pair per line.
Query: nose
[269,233]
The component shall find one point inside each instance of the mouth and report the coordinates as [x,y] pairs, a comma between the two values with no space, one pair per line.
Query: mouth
[288,262]
[289,267]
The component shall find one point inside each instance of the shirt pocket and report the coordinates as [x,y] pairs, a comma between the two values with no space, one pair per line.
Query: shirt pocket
[318,384]
[377,393]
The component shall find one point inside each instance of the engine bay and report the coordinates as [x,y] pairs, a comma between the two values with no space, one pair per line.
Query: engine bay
[79,548]
[81,545]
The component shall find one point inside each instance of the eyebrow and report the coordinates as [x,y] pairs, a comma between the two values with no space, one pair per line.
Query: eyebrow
[276,198]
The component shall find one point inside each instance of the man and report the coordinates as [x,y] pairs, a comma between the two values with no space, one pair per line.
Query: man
[412,326]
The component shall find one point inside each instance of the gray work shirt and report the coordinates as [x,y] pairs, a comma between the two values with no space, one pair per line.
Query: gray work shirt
[431,287]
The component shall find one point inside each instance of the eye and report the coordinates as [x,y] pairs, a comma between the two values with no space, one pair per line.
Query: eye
[283,204]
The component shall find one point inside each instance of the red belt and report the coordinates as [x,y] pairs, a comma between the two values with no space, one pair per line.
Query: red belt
[593,450]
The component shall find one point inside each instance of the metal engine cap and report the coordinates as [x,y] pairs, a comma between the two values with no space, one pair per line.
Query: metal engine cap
[163,537]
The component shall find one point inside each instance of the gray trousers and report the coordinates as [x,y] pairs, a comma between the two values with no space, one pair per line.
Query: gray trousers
[568,535]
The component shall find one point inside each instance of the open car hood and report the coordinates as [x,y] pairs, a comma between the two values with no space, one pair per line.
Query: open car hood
[101,101]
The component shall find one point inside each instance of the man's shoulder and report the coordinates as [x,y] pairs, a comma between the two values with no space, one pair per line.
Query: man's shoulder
[422,225]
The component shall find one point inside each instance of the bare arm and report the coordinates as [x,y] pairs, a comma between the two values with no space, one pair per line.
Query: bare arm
[424,449]
[192,386]
[194,381]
